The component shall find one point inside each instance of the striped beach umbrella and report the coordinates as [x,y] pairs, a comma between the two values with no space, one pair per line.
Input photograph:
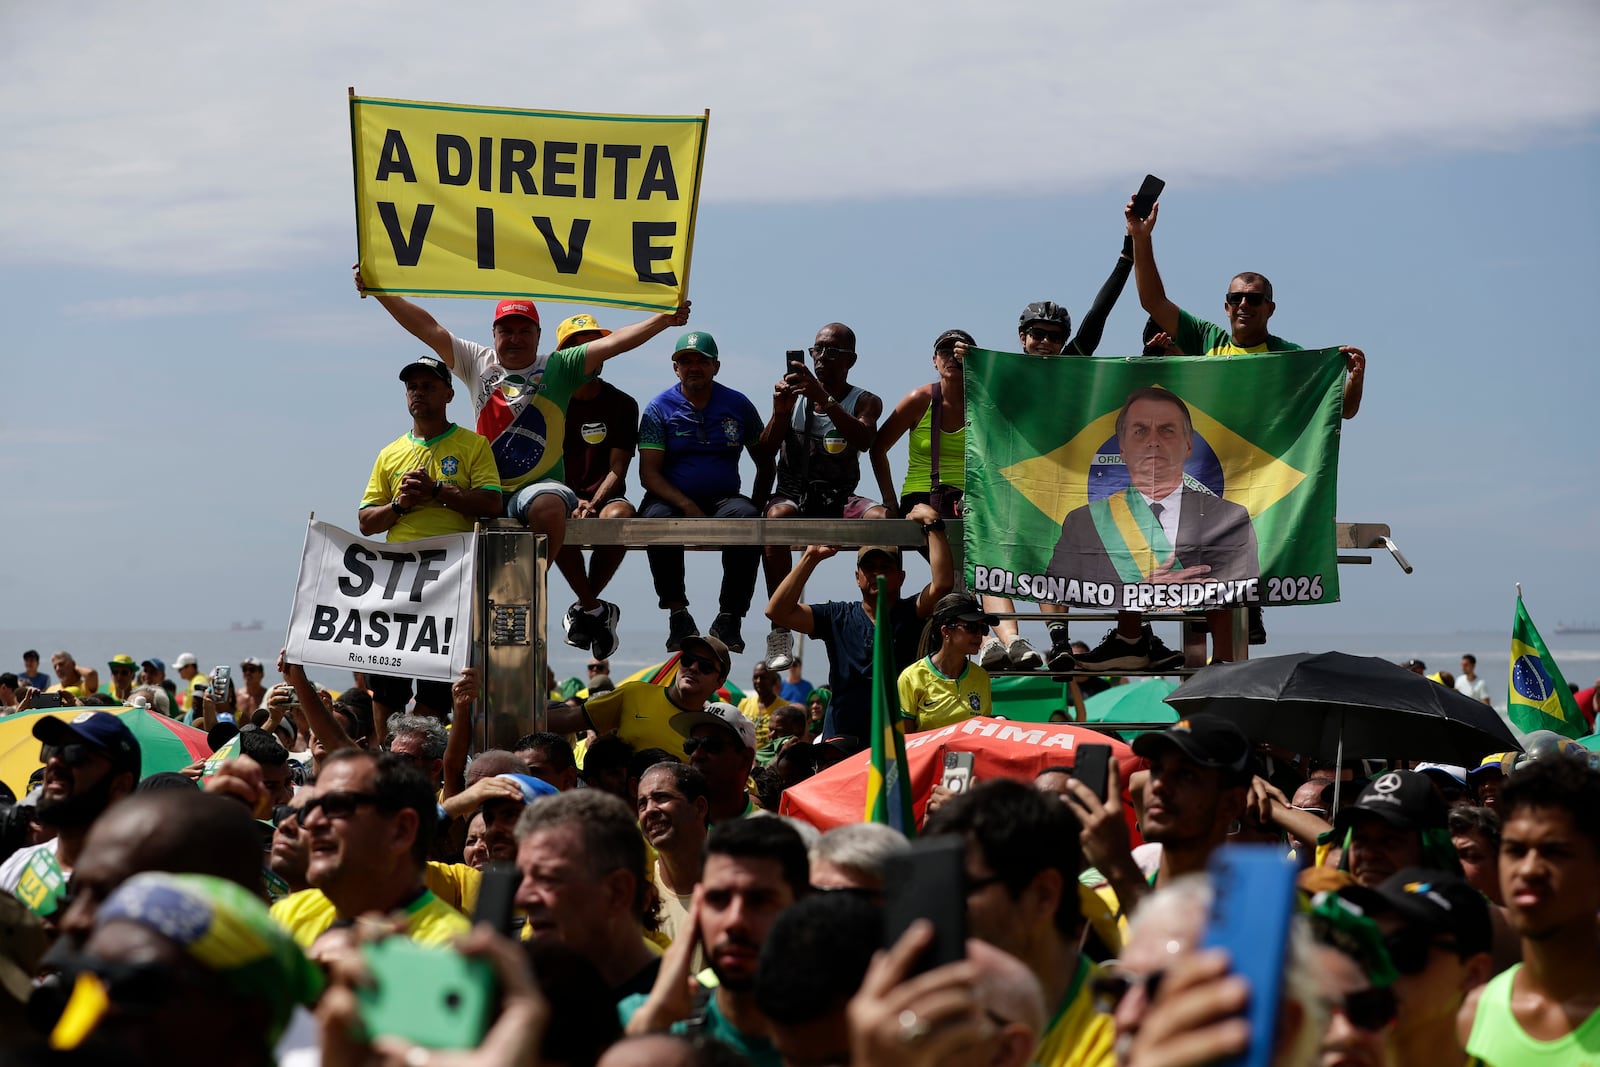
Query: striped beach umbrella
[164,744]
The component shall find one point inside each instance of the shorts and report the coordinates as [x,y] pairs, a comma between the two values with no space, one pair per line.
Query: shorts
[518,502]
[855,507]
[395,692]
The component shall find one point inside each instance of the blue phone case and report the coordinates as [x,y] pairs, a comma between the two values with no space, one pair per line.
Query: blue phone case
[1250,912]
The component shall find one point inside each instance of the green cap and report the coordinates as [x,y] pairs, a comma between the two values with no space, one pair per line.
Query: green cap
[697,341]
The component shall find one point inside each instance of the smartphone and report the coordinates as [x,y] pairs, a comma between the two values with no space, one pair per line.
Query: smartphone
[434,997]
[496,897]
[222,685]
[1145,198]
[46,700]
[929,882]
[1252,903]
[791,357]
[957,772]
[1091,766]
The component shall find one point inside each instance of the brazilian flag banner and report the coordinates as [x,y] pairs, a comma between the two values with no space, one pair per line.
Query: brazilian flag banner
[1539,697]
[1146,484]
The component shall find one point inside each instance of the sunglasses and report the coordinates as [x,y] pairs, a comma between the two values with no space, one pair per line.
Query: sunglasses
[1253,299]
[73,755]
[977,628]
[592,667]
[1370,1009]
[1409,949]
[1053,337]
[339,804]
[703,664]
[711,746]
[822,352]
[1109,988]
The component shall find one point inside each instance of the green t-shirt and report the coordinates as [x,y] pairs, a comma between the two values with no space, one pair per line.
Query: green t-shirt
[1197,337]
[1498,1040]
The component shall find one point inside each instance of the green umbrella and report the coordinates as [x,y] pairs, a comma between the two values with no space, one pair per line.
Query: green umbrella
[1134,702]
[1592,742]
[1028,698]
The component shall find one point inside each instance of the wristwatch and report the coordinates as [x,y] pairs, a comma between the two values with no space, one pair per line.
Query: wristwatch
[394,506]
[931,527]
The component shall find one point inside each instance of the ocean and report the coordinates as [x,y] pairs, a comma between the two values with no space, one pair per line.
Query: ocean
[1578,655]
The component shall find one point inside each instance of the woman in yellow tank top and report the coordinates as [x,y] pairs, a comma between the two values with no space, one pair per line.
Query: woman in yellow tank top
[915,414]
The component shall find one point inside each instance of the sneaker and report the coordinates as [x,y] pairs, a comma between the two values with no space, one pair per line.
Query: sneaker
[1258,625]
[680,624]
[576,628]
[992,653]
[1162,658]
[780,649]
[1060,658]
[725,628]
[1117,653]
[602,624]
[1022,655]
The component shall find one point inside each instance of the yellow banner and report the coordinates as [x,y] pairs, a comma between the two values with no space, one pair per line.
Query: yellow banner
[458,200]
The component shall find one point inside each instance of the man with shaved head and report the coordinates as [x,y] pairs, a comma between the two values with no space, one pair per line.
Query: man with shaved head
[164,830]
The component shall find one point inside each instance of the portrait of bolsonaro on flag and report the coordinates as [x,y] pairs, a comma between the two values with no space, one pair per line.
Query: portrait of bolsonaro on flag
[1149,484]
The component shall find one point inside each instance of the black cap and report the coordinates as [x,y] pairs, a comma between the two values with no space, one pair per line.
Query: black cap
[431,364]
[954,335]
[715,648]
[1206,740]
[1405,800]
[961,607]
[1436,901]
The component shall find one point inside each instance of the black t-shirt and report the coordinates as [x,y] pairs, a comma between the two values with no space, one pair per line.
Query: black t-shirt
[594,427]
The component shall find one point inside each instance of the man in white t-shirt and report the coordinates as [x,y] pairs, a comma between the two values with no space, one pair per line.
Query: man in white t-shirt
[1468,681]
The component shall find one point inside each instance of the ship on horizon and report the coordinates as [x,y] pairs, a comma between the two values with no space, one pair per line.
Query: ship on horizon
[1577,628]
[240,627]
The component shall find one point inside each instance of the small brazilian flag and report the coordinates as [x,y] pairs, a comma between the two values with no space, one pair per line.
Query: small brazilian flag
[1539,698]
[888,789]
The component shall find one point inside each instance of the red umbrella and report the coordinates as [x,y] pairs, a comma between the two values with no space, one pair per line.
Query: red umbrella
[1000,748]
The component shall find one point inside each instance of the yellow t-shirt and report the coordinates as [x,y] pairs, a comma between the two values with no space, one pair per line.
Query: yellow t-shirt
[454,883]
[308,914]
[641,714]
[929,699]
[456,457]
[1078,1035]
[761,716]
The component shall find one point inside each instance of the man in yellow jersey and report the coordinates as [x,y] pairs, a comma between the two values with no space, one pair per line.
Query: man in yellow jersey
[1248,304]
[369,819]
[1023,859]
[641,712]
[437,479]
[1545,1010]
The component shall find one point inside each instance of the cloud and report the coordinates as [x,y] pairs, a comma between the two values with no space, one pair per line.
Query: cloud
[196,138]
[174,305]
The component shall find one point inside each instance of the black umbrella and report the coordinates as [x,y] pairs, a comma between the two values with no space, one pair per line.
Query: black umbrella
[1336,706]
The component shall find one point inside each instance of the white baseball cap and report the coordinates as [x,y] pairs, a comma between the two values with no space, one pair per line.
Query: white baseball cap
[717,714]
[185,659]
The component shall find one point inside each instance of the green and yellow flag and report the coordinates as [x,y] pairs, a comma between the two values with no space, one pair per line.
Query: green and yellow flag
[888,788]
[1539,698]
[1180,483]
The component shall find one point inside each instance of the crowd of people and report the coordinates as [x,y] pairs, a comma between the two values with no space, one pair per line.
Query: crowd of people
[343,881]
[656,908]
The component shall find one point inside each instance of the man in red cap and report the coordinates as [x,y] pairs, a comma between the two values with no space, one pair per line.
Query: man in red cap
[521,399]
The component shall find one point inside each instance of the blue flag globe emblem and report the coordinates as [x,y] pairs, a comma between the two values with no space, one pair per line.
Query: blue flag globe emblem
[1108,476]
[1530,680]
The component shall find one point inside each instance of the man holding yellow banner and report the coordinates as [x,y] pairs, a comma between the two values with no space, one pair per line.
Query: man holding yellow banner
[521,399]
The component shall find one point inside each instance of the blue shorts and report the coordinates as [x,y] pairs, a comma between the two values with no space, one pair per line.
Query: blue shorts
[517,503]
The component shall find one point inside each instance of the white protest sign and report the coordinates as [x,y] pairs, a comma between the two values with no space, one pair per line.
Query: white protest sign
[401,608]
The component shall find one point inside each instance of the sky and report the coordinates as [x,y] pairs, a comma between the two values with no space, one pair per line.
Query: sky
[190,374]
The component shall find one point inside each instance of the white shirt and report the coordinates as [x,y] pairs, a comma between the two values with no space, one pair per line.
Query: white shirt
[1170,505]
[1476,688]
[11,870]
